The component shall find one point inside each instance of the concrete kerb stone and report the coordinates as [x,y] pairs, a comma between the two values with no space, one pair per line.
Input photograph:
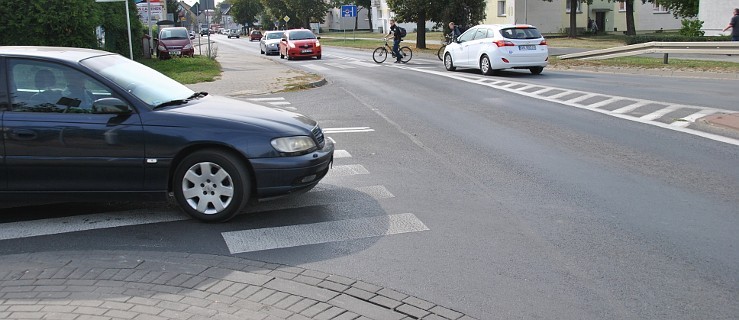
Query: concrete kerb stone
[165,285]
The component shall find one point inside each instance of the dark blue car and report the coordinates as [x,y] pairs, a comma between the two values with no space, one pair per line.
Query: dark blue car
[81,124]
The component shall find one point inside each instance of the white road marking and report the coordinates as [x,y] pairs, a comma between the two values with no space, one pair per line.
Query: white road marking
[352,129]
[45,227]
[316,67]
[347,170]
[279,103]
[340,65]
[341,154]
[661,112]
[266,99]
[686,121]
[619,113]
[321,232]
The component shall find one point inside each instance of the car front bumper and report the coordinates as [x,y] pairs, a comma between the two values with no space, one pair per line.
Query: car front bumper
[285,175]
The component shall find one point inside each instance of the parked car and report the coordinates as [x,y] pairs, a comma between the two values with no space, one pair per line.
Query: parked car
[255,35]
[270,43]
[87,125]
[234,33]
[496,47]
[174,42]
[204,31]
[297,43]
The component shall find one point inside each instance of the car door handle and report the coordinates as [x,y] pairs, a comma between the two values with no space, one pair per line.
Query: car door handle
[23,134]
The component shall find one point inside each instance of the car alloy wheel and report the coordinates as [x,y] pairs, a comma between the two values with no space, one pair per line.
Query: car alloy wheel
[448,64]
[211,185]
[485,65]
[536,70]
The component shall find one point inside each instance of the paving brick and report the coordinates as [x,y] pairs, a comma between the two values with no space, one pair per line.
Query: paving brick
[301,305]
[234,288]
[142,301]
[359,293]
[26,315]
[148,317]
[329,313]
[274,298]
[120,314]
[78,282]
[392,294]
[116,305]
[58,316]
[301,289]
[315,274]
[196,302]
[63,273]
[219,298]
[347,316]
[219,286]
[250,314]
[307,280]
[172,314]
[49,282]
[416,302]
[334,286]
[315,309]
[25,308]
[342,280]
[432,316]
[295,270]
[364,308]
[261,295]
[287,302]
[90,310]
[146,309]
[237,276]
[298,316]
[201,311]
[446,313]
[169,305]
[60,309]
[247,292]
[282,274]
[412,311]
[367,286]
[20,295]
[385,302]
[122,274]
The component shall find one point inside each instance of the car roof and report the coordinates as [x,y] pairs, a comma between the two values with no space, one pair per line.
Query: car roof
[504,26]
[68,54]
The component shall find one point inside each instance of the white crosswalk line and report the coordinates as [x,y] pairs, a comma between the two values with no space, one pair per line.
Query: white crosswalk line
[321,232]
[316,67]
[340,65]
[660,113]
[341,154]
[632,107]
[347,170]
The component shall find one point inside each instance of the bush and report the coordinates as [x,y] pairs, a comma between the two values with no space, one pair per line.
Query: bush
[663,38]
[692,28]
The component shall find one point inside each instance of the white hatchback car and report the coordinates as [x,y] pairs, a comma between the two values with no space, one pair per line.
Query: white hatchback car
[492,47]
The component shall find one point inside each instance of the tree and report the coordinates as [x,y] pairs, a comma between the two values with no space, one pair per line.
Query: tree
[307,11]
[246,11]
[573,15]
[681,8]
[414,11]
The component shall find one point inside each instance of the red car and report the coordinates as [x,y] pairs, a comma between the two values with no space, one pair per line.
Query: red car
[174,42]
[255,35]
[297,43]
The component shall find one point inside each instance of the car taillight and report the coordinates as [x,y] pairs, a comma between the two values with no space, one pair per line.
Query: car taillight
[543,43]
[504,43]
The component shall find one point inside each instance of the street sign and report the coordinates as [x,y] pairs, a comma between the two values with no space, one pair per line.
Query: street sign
[349,11]
[286,18]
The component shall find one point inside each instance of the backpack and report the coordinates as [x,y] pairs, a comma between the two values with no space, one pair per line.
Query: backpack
[403,33]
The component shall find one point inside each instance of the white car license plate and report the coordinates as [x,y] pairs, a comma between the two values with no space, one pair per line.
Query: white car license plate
[306,51]
[174,53]
[527,47]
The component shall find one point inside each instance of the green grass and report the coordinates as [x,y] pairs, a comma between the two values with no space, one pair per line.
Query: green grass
[651,63]
[186,70]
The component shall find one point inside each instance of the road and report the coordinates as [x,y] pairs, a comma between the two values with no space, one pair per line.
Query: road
[473,193]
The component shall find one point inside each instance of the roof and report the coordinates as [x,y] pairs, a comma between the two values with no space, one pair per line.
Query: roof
[68,54]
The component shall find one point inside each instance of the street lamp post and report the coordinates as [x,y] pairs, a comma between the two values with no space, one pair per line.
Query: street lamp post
[128,22]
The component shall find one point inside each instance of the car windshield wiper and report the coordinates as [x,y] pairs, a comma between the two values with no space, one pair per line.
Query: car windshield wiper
[177,102]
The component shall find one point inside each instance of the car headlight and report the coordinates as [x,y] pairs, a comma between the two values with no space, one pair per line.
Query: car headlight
[318,44]
[187,46]
[293,145]
[161,48]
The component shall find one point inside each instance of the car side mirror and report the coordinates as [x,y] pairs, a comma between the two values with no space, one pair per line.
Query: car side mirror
[111,106]
[318,37]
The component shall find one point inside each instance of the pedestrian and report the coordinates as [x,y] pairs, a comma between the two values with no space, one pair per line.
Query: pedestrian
[734,26]
[455,32]
[395,32]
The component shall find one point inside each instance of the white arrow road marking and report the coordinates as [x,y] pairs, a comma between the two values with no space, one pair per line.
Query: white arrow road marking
[321,232]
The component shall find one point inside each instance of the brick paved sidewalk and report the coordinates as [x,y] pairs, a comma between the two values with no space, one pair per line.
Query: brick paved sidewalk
[156,285]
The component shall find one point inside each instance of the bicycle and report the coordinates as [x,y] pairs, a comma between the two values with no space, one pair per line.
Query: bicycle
[380,54]
[444,42]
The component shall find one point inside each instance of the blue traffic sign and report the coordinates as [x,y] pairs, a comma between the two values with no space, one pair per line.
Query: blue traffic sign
[349,11]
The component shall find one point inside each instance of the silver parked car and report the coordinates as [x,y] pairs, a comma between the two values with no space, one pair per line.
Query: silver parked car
[270,42]
[498,46]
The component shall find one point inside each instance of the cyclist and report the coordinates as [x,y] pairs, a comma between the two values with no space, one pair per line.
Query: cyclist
[395,32]
[455,31]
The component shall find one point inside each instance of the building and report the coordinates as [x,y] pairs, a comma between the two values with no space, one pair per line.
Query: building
[553,17]
[716,15]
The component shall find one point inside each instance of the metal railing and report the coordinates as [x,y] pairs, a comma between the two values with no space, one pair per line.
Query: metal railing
[712,47]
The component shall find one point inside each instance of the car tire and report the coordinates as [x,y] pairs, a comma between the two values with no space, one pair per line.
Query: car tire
[536,70]
[448,63]
[485,66]
[287,55]
[221,176]
[318,57]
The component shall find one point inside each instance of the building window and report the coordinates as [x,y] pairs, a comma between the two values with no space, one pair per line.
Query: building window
[658,8]
[568,6]
[501,8]
[622,6]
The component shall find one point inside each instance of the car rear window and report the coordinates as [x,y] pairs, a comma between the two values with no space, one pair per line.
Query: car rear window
[520,33]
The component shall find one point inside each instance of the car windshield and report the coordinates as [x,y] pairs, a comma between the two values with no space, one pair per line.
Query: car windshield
[150,86]
[301,35]
[520,33]
[274,35]
[173,34]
